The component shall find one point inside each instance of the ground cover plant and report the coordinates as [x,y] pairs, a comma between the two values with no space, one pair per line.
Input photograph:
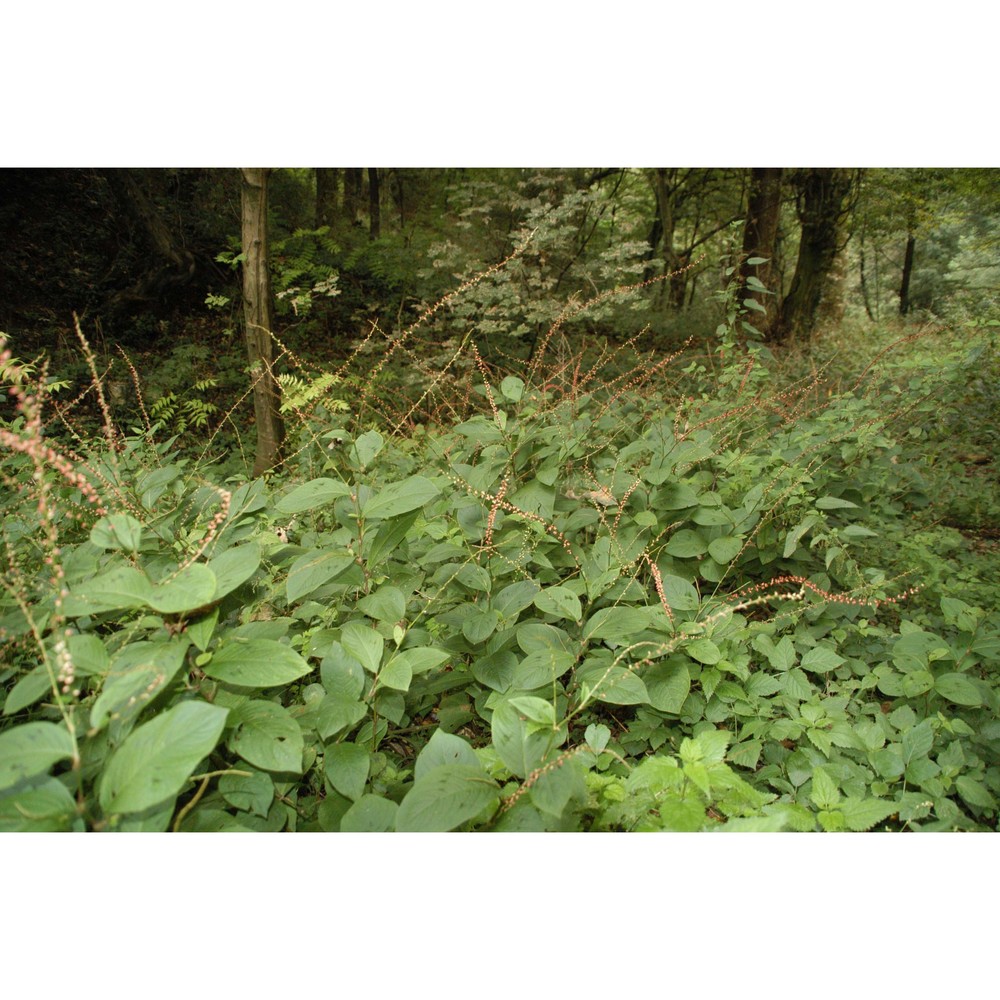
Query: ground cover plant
[611,590]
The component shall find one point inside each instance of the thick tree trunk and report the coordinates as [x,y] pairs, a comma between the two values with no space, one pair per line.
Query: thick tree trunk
[822,209]
[904,285]
[760,239]
[259,323]
[374,204]
[326,196]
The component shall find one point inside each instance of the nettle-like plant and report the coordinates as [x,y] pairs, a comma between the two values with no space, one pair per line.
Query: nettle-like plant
[594,589]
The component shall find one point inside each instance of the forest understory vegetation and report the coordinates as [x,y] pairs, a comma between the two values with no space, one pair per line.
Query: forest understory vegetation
[577,579]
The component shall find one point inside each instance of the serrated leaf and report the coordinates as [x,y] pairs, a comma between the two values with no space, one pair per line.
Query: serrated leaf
[156,760]
[820,660]
[974,792]
[824,792]
[863,814]
[917,742]
[704,651]
[256,663]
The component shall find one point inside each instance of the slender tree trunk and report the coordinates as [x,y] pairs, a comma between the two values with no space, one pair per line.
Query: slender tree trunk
[822,209]
[864,282]
[374,203]
[258,320]
[760,238]
[904,285]
[352,193]
[326,196]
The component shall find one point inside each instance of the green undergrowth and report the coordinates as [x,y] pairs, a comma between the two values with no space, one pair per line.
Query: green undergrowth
[537,595]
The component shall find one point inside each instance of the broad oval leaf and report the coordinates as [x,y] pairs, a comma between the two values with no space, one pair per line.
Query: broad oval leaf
[267,736]
[256,663]
[958,689]
[312,569]
[370,814]
[234,567]
[445,798]
[346,766]
[193,587]
[309,496]
[120,532]
[560,602]
[156,760]
[398,498]
[31,749]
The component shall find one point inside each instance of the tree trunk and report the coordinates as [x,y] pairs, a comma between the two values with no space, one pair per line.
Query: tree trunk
[904,285]
[374,202]
[173,264]
[352,193]
[258,320]
[760,238]
[326,196]
[822,210]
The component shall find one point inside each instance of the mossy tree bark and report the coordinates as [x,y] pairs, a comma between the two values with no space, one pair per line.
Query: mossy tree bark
[760,239]
[258,319]
[823,207]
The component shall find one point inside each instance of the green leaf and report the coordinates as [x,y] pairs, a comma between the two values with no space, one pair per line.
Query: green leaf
[444,748]
[975,793]
[191,588]
[157,759]
[680,594]
[725,549]
[31,749]
[541,667]
[312,569]
[253,794]
[614,685]
[337,713]
[560,602]
[514,598]
[256,663]
[366,448]
[346,766]
[370,814]
[821,660]
[686,544]
[387,604]
[794,536]
[28,690]
[863,814]
[668,683]
[420,659]
[513,388]
[267,736]
[917,742]
[120,532]
[234,567]
[445,798]
[396,674]
[824,790]
[521,748]
[555,787]
[480,623]
[618,624]
[597,736]
[704,651]
[137,675]
[958,689]
[399,498]
[833,503]
[364,644]
[309,496]
[121,589]
[42,806]
[536,710]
